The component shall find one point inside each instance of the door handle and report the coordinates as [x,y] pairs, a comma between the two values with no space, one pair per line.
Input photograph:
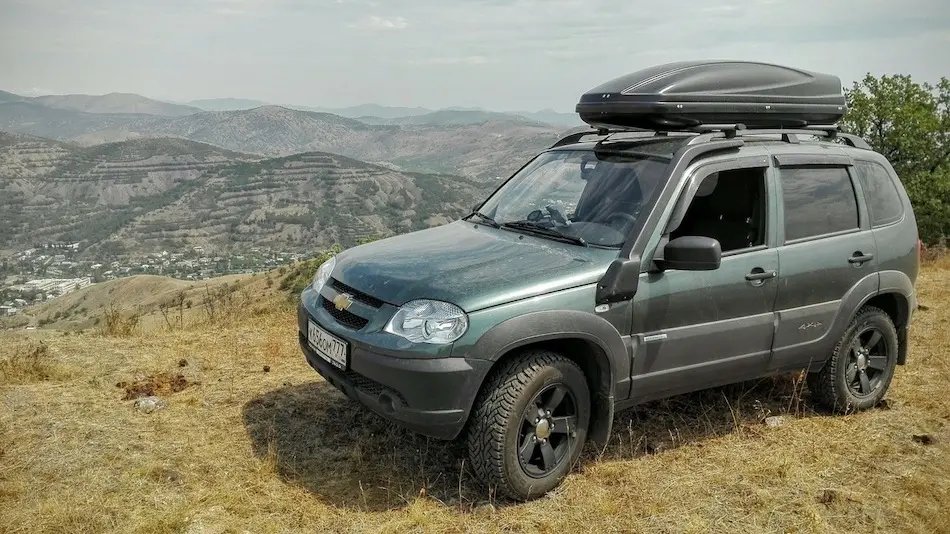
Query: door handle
[860,258]
[760,274]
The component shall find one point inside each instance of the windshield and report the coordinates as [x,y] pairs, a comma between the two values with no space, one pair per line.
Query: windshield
[597,197]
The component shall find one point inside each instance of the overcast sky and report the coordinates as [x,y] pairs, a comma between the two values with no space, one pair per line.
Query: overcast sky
[498,54]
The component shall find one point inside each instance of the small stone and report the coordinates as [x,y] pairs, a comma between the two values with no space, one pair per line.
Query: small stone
[182,362]
[924,439]
[775,421]
[884,404]
[266,368]
[150,404]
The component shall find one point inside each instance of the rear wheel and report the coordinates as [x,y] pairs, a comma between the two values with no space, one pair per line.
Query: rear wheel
[529,424]
[862,365]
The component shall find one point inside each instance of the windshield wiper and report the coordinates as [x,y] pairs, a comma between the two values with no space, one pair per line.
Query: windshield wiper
[491,222]
[543,230]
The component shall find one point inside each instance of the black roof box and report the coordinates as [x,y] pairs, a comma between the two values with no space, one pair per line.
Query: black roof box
[691,94]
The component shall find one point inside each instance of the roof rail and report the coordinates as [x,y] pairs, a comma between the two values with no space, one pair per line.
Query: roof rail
[708,132]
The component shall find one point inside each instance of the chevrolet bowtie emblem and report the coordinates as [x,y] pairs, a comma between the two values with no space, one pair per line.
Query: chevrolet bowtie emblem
[342,301]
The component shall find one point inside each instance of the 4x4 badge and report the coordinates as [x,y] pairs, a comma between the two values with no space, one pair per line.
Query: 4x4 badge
[343,301]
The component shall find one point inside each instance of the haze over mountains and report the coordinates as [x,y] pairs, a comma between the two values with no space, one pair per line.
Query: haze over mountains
[472,143]
[123,173]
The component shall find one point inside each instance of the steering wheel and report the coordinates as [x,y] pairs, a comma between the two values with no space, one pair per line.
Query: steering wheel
[621,215]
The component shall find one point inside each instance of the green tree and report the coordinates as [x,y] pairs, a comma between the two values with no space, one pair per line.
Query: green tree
[909,123]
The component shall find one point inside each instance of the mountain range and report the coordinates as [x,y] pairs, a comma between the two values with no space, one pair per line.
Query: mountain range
[165,193]
[123,173]
[477,144]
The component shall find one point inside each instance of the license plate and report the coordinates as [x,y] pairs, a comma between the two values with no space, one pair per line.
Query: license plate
[326,345]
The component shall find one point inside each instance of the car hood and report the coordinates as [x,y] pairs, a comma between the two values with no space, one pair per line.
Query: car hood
[472,266]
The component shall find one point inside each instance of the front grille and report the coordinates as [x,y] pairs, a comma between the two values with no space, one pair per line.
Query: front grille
[369,300]
[345,318]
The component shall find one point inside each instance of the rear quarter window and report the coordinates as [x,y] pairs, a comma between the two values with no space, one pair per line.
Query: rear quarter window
[818,201]
[884,202]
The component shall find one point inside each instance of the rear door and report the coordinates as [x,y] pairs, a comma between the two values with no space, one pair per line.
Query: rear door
[827,253]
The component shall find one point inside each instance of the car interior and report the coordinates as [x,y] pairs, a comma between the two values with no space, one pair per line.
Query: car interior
[728,206]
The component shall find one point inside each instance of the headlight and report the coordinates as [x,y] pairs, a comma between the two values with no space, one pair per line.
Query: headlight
[323,274]
[429,321]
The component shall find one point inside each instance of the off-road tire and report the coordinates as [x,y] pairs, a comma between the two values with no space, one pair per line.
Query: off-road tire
[829,387]
[494,433]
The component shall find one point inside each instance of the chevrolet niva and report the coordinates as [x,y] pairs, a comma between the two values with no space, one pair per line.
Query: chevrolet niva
[714,227]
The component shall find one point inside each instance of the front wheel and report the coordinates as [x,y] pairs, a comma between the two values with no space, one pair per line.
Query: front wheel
[860,369]
[529,424]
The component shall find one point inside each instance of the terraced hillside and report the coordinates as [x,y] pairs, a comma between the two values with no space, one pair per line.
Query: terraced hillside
[300,202]
[152,194]
[492,146]
[57,191]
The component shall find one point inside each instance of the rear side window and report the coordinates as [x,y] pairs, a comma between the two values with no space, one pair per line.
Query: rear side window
[884,203]
[818,201]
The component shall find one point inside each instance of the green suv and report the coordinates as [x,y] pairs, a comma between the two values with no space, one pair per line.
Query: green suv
[714,227]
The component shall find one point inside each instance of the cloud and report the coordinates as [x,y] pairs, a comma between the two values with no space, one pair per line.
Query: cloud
[379,23]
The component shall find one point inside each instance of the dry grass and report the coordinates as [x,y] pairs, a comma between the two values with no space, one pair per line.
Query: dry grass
[244,449]
[28,362]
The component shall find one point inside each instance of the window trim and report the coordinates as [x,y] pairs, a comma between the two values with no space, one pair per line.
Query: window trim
[820,163]
[867,195]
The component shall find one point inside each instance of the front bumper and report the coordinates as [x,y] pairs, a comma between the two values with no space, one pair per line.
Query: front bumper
[430,396]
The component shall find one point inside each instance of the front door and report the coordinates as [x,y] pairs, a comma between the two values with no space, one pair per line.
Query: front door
[701,329]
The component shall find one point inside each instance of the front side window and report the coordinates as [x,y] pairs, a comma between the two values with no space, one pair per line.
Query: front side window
[818,201]
[592,195]
[729,206]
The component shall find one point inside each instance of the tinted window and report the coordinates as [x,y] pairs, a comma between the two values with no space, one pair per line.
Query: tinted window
[818,200]
[884,204]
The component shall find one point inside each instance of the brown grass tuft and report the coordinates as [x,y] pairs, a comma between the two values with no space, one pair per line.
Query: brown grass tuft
[117,323]
[29,362]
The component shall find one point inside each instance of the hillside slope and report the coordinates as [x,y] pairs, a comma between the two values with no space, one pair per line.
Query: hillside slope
[301,202]
[252,439]
[168,193]
[56,191]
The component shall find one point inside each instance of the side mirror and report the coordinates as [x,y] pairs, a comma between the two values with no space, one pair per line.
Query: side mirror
[620,282]
[692,253]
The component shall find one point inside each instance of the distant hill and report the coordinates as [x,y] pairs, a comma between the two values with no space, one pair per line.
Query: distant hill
[549,116]
[226,104]
[10,97]
[57,191]
[115,103]
[30,117]
[485,149]
[453,117]
[154,194]
[369,110]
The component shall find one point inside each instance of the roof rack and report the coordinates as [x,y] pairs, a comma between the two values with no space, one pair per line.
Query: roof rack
[708,132]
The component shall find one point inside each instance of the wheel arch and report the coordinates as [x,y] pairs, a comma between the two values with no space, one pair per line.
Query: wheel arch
[894,295]
[588,340]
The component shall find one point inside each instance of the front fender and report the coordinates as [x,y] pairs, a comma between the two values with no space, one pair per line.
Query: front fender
[610,361]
